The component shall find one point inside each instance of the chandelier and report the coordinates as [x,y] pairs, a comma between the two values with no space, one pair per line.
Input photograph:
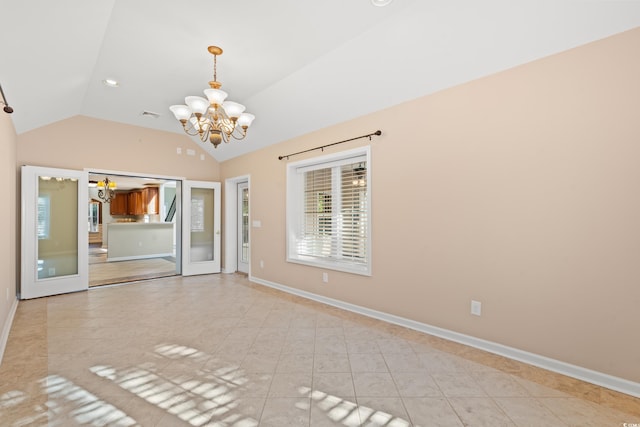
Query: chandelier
[213,118]
[106,190]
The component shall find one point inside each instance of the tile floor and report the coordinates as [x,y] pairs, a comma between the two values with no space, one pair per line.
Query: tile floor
[102,272]
[219,351]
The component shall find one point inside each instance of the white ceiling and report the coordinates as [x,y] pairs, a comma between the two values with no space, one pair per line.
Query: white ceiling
[298,65]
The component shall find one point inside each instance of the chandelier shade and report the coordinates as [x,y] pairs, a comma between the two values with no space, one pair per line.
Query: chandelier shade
[233,109]
[213,118]
[182,112]
[216,96]
[245,119]
[197,104]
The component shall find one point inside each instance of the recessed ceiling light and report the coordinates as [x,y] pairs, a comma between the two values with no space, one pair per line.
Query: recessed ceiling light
[110,82]
[381,2]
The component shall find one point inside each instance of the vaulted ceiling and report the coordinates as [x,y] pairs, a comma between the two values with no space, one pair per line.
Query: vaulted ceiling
[298,65]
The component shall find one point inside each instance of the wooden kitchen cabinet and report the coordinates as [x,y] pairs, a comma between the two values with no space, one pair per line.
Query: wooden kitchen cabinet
[151,199]
[135,204]
[119,205]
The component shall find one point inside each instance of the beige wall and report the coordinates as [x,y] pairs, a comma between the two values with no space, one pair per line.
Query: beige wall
[8,223]
[84,142]
[520,190]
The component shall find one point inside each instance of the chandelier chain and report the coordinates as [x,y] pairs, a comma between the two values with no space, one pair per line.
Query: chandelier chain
[215,68]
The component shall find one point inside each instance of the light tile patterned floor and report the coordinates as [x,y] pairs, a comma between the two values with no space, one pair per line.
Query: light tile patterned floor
[217,350]
[102,272]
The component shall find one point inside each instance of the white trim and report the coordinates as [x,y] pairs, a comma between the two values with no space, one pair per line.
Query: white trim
[7,328]
[594,377]
[94,171]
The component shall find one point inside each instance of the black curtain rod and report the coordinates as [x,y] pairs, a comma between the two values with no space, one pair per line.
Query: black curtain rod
[376,133]
[6,108]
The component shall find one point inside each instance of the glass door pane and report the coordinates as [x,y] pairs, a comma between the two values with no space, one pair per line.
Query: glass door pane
[57,223]
[202,232]
[243,227]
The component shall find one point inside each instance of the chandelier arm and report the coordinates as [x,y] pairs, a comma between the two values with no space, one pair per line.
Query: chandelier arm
[238,133]
[188,127]
[191,130]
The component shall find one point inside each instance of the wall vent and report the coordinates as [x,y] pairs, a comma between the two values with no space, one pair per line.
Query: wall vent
[151,114]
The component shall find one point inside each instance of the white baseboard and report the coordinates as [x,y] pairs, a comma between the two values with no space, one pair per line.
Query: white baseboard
[7,328]
[594,377]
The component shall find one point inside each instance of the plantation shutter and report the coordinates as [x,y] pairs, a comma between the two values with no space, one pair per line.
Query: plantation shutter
[334,223]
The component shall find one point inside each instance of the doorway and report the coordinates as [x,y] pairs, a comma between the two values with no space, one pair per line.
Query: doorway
[138,215]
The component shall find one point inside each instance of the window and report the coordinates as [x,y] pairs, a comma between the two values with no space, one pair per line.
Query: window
[43,218]
[197,214]
[328,211]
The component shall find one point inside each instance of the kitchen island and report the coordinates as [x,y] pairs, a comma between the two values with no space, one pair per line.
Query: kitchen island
[139,240]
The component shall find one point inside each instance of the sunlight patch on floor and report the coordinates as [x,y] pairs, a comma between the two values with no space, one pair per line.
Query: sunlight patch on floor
[70,400]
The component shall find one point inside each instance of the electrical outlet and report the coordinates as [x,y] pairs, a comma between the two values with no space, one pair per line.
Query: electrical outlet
[261,264]
[476,308]
[325,277]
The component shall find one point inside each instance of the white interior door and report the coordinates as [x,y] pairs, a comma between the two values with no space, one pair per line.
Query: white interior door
[55,232]
[243,227]
[200,227]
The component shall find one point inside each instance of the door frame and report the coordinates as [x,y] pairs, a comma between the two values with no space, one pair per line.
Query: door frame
[231,223]
[178,219]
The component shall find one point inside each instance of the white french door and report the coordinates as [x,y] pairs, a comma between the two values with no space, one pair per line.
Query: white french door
[200,227]
[54,238]
[243,227]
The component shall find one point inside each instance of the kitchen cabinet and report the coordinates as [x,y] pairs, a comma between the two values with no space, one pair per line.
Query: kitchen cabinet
[135,205]
[119,206]
[151,198]
[136,202]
